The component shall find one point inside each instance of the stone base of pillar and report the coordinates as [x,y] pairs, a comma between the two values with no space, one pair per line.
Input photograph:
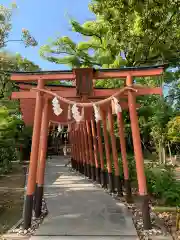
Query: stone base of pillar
[38,203]
[118,186]
[127,185]
[103,178]
[93,173]
[111,183]
[28,211]
[146,212]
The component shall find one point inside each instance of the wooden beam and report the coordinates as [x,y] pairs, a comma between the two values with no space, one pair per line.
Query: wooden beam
[123,74]
[23,95]
[141,91]
[50,76]
[98,93]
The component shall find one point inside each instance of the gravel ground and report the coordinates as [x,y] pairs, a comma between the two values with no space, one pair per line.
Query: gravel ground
[35,223]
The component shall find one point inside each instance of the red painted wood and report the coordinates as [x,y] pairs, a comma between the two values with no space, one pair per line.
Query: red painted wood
[106,142]
[95,147]
[136,141]
[113,141]
[35,142]
[97,75]
[123,145]
[100,146]
[90,142]
[43,146]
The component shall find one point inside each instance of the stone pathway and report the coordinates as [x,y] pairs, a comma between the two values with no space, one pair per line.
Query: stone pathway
[80,210]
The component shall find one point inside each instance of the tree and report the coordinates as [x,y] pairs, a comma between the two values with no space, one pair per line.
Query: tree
[174,131]
[10,63]
[13,133]
[145,32]
[5,27]
[124,33]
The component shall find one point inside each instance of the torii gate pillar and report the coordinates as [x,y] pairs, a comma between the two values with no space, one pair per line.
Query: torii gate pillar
[33,158]
[138,156]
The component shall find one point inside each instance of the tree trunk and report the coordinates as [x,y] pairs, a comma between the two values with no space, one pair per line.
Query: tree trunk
[164,155]
[160,153]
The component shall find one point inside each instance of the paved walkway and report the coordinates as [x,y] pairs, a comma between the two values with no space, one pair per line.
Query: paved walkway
[79,209]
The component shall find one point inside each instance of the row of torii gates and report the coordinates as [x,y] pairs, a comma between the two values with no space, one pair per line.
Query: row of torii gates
[97,108]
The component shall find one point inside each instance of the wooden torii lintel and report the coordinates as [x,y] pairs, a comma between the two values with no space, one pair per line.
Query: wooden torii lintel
[97,74]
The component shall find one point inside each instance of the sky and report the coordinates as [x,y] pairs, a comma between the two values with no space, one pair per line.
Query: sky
[45,19]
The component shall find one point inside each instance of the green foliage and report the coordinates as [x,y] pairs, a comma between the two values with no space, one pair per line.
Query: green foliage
[174,130]
[124,33]
[161,183]
[6,25]
[8,63]
[13,134]
[131,167]
[8,137]
[145,31]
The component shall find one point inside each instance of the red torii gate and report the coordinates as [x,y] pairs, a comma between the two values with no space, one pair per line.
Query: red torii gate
[36,110]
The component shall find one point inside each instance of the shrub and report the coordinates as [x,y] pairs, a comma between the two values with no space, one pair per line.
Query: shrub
[161,183]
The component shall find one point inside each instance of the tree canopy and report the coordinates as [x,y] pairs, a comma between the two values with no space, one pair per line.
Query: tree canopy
[124,33]
[6,25]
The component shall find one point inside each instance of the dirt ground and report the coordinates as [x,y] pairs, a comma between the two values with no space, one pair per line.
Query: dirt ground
[11,197]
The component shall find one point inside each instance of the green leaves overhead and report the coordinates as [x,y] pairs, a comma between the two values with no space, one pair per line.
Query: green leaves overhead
[65,51]
[146,31]
[124,33]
